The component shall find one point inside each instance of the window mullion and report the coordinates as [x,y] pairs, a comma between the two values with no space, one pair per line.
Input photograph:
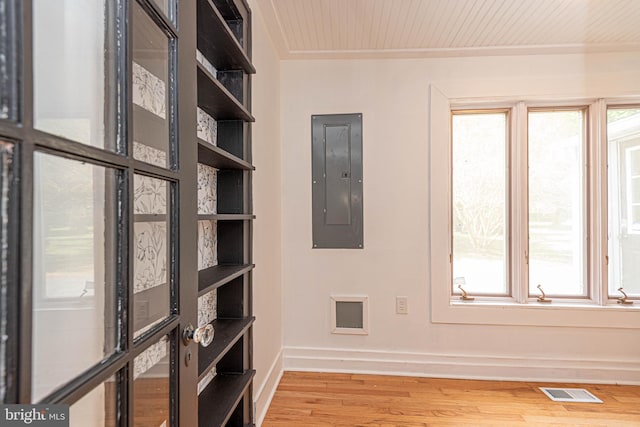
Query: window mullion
[518,204]
[597,201]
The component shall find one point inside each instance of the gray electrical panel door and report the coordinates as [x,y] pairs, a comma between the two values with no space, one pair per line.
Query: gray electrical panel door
[337,181]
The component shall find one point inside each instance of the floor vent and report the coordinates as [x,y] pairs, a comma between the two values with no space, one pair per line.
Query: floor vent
[570,395]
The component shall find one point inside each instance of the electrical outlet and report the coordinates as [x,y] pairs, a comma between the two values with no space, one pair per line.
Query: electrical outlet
[402,305]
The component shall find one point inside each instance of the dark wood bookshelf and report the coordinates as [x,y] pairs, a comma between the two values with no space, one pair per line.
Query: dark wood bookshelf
[227,333]
[217,42]
[216,276]
[219,158]
[225,217]
[217,101]
[218,400]
[223,37]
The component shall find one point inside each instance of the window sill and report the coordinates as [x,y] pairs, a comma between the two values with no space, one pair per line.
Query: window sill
[555,304]
[558,314]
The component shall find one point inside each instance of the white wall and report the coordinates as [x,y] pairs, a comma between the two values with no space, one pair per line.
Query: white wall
[393,97]
[267,281]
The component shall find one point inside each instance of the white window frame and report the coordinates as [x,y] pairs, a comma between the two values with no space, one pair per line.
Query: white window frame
[508,112]
[596,311]
[586,110]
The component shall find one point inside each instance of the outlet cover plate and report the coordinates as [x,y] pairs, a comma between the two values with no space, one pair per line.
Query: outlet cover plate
[402,305]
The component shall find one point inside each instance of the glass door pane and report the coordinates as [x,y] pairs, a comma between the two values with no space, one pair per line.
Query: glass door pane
[8,68]
[150,90]
[74,306]
[151,281]
[73,71]
[152,386]
[98,408]
[6,172]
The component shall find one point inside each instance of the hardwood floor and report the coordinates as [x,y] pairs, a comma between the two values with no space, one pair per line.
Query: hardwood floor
[320,399]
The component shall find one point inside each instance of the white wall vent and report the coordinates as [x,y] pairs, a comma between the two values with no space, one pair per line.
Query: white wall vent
[350,315]
[579,395]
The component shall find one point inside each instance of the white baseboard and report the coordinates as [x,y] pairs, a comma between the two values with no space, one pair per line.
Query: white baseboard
[266,391]
[461,366]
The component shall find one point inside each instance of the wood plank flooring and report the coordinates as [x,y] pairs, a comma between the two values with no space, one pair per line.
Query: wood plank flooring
[321,399]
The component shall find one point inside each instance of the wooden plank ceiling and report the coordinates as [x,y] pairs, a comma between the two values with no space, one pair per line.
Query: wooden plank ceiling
[415,28]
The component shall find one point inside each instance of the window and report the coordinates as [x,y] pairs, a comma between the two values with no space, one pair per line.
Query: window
[553,196]
[623,159]
[479,202]
[556,202]
[523,206]
[534,193]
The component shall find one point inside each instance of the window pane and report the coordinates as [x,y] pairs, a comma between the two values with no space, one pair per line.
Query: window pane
[151,290]
[479,203]
[97,408]
[72,73]
[556,195]
[151,385]
[73,285]
[150,90]
[623,152]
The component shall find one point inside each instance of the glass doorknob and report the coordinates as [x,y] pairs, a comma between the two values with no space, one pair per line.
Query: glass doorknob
[202,335]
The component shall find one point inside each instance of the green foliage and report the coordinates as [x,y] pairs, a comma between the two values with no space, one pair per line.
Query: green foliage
[619,114]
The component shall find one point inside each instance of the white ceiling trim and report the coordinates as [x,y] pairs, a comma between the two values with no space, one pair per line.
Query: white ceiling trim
[459,52]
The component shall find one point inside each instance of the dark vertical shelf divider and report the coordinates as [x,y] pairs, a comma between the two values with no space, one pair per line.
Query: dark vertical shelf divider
[224,39]
[231,137]
[230,194]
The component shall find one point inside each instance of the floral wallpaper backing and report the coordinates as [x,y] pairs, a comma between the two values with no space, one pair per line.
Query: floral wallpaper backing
[150,198]
[150,262]
[207,189]
[149,91]
[207,127]
[150,357]
[207,309]
[207,244]
[206,64]
[149,154]
[149,195]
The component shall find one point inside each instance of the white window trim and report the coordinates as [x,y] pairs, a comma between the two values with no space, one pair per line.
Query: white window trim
[597,312]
